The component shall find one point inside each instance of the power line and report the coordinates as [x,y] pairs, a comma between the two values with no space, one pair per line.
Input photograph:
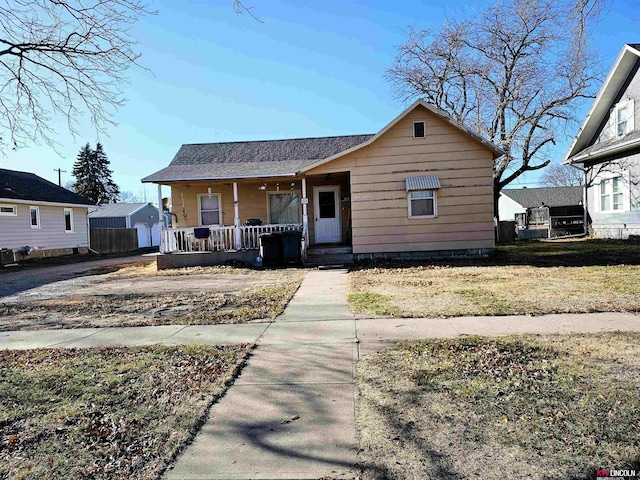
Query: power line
[60,171]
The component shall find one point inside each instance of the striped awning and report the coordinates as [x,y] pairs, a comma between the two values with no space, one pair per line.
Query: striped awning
[429,182]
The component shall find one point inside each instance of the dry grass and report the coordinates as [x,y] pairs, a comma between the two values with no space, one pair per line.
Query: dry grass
[521,407]
[148,269]
[106,413]
[558,277]
[138,295]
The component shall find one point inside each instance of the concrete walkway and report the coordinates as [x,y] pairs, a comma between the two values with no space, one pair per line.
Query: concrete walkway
[291,413]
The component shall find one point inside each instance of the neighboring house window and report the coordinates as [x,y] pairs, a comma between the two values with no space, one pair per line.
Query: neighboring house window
[209,206]
[68,220]
[419,130]
[422,203]
[34,217]
[8,210]
[623,118]
[612,194]
[284,208]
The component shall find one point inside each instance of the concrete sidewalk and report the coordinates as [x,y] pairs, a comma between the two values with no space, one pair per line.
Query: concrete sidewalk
[133,336]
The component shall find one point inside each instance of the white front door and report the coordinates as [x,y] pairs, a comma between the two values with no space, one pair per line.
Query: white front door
[326,210]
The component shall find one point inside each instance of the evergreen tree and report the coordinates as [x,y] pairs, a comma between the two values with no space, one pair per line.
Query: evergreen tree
[93,176]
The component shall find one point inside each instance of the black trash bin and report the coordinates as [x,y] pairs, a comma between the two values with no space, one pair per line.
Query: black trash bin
[271,248]
[291,247]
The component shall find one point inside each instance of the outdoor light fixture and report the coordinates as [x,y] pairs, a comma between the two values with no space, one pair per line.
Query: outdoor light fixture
[209,191]
[262,187]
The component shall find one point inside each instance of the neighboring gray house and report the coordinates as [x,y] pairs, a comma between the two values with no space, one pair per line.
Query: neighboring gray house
[141,216]
[543,212]
[40,217]
[607,148]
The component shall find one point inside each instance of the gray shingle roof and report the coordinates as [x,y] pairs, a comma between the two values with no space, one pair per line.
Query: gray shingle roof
[115,210]
[549,196]
[16,185]
[252,159]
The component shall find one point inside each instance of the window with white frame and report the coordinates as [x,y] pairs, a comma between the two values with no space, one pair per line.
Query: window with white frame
[612,194]
[209,208]
[422,203]
[8,210]
[34,217]
[623,118]
[68,220]
[284,207]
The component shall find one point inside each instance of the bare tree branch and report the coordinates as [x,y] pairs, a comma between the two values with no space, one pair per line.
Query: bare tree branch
[63,59]
[561,176]
[513,74]
[241,9]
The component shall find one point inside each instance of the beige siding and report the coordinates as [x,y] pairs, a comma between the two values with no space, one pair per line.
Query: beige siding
[379,202]
[16,231]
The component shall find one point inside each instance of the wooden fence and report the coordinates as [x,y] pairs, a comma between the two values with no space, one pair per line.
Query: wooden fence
[114,240]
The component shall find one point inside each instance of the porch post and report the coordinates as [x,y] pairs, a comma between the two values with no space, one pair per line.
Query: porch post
[161,220]
[236,216]
[305,217]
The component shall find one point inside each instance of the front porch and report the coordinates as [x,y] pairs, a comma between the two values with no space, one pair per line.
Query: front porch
[217,238]
[318,207]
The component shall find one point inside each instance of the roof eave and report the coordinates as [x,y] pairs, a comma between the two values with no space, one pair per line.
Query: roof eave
[605,152]
[235,177]
[586,128]
[42,202]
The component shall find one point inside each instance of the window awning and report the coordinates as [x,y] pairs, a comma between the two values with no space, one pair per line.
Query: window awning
[429,182]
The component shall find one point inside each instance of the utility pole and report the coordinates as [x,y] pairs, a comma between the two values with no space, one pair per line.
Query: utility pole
[59,175]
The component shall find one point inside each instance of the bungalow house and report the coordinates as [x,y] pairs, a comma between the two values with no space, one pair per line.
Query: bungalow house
[141,216]
[607,149]
[39,218]
[544,212]
[422,186]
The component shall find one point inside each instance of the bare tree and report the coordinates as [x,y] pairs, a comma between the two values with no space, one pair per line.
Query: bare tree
[559,175]
[513,73]
[70,185]
[63,59]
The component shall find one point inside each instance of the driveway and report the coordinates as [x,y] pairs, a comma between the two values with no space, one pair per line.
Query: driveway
[129,291]
[13,284]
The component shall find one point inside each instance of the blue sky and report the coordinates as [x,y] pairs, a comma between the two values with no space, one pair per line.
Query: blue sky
[311,69]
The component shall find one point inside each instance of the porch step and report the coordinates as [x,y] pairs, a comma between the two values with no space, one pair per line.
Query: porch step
[326,256]
[329,250]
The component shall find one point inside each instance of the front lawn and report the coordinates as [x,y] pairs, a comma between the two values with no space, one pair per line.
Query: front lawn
[106,413]
[516,407]
[530,278]
[140,295]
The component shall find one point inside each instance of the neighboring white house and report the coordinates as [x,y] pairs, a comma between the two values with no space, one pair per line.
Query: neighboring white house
[141,216]
[39,218]
[607,148]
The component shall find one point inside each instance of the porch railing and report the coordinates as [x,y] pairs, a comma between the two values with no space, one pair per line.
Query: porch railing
[222,238]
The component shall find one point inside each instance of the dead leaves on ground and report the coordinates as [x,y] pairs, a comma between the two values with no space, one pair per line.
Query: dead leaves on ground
[105,413]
